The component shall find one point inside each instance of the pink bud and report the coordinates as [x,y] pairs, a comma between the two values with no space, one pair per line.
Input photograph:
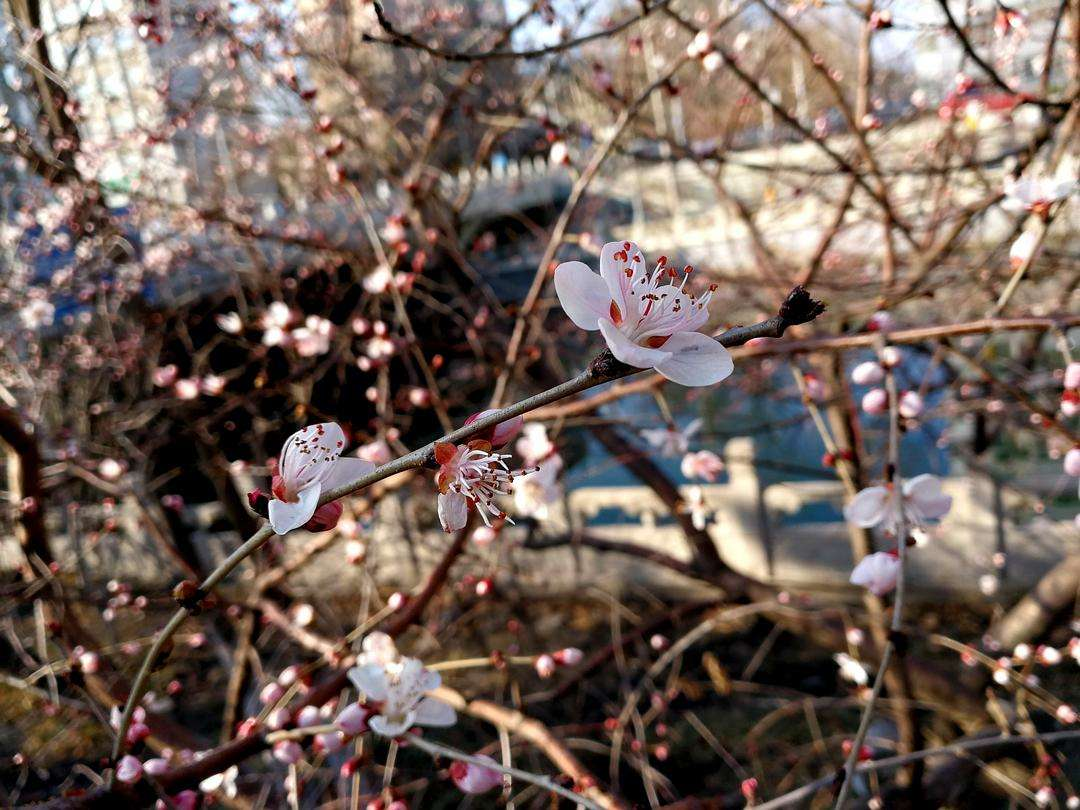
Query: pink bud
[502,433]
[868,373]
[749,788]
[353,719]
[545,666]
[326,517]
[289,675]
[1072,375]
[1072,462]
[875,401]
[1066,714]
[90,662]
[137,732]
[396,601]
[271,693]
[156,766]
[129,770]
[571,656]
[278,718]
[288,751]
[880,322]
[472,778]
[910,405]
[308,716]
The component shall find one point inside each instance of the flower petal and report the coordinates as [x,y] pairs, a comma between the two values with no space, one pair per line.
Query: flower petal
[925,491]
[346,470]
[310,454]
[582,293]
[868,507]
[453,511]
[371,680]
[433,712]
[286,516]
[613,270]
[696,359]
[628,352]
[388,728]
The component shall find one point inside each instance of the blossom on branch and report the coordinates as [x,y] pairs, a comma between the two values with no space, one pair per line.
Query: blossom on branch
[646,320]
[470,474]
[396,693]
[310,462]
[877,572]
[922,501]
[671,441]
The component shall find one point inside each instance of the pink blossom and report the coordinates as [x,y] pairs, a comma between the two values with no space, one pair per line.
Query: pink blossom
[156,766]
[646,320]
[880,322]
[129,770]
[470,475]
[474,779]
[877,572]
[569,656]
[311,462]
[702,464]
[164,376]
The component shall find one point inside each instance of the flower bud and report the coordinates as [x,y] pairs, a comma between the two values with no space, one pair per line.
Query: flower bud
[474,779]
[129,770]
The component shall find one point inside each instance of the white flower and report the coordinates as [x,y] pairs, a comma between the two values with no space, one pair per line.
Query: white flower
[534,445]
[1036,194]
[470,474]
[535,491]
[313,338]
[671,441]
[646,320]
[379,279]
[851,670]
[37,313]
[310,462]
[922,501]
[702,464]
[877,572]
[398,690]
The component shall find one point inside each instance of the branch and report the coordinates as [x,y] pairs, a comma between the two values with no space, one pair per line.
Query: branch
[798,308]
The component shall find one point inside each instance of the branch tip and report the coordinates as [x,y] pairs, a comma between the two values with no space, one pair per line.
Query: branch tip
[800,307]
